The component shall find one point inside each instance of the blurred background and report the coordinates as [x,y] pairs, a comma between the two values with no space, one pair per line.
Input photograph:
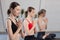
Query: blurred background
[53,14]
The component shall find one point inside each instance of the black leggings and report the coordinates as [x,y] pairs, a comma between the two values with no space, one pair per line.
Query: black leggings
[30,37]
[41,34]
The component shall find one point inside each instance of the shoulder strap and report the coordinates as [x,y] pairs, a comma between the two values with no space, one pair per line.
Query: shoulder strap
[27,20]
[9,19]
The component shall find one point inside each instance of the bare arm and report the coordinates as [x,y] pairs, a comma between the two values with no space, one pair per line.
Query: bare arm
[22,34]
[35,30]
[34,27]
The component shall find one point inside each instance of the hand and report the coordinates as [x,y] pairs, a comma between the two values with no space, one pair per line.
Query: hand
[45,20]
[45,35]
[19,23]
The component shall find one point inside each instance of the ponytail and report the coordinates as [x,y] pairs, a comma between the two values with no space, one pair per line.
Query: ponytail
[8,12]
[29,10]
[26,13]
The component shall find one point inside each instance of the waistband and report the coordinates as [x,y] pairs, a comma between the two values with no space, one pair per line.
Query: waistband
[29,36]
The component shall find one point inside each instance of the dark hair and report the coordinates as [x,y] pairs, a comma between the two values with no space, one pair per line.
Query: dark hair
[29,10]
[12,5]
[41,12]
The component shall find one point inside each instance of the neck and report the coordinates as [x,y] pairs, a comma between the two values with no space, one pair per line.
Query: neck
[29,17]
[40,17]
[12,16]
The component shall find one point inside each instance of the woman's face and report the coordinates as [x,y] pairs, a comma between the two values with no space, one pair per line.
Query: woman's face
[32,13]
[16,11]
[44,14]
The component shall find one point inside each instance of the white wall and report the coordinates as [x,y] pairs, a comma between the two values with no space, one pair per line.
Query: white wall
[52,7]
[24,5]
[1,20]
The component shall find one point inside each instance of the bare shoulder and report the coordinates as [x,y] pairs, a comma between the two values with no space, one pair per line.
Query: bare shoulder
[25,21]
[8,21]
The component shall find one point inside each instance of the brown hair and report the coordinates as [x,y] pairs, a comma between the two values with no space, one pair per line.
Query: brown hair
[12,5]
[29,10]
[41,12]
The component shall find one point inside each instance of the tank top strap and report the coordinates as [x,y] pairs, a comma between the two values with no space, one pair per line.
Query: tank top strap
[9,19]
[27,20]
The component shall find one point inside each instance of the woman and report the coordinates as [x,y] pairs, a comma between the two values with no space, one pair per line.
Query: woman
[13,26]
[29,24]
[42,22]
